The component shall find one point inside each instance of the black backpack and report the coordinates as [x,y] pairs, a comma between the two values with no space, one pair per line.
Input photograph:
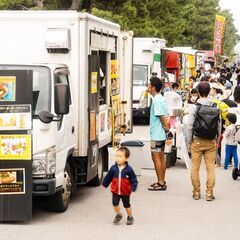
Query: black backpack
[206,121]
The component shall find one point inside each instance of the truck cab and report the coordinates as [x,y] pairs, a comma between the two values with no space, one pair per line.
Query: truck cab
[53,129]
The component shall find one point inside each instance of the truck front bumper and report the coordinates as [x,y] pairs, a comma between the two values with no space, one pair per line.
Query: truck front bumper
[44,187]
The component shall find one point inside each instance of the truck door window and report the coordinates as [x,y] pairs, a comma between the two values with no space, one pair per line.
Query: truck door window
[63,78]
[41,90]
[41,86]
[140,75]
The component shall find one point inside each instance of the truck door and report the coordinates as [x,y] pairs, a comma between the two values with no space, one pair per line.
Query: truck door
[126,79]
[93,106]
[65,127]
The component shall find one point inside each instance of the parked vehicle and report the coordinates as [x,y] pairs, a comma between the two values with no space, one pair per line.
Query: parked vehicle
[75,50]
[146,61]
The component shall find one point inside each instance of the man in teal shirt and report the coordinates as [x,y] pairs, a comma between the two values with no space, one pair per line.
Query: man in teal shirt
[158,129]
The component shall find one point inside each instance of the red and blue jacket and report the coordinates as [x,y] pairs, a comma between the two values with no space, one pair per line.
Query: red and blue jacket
[123,182]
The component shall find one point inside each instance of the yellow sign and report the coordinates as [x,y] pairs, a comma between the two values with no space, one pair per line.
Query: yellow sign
[94,78]
[114,69]
[15,147]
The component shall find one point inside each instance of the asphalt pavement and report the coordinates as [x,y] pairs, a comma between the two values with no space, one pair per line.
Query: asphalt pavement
[158,215]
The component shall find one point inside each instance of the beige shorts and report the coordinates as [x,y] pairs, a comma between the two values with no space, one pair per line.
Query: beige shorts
[157,146]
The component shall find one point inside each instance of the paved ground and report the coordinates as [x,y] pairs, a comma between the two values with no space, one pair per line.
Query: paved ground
[158,215]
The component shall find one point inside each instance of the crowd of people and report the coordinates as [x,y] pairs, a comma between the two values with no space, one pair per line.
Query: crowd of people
[212,113]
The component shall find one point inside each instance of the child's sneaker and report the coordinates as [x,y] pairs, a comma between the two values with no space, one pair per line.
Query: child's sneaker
[117,218]
[130,220]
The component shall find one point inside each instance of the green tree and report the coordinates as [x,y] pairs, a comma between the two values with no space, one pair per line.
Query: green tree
[180,22]
[231,38]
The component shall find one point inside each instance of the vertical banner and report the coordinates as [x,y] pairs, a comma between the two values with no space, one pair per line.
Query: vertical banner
[219,30]
[115,101]
[15,145]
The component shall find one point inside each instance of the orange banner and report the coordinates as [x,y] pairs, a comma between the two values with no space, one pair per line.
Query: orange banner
[219,30]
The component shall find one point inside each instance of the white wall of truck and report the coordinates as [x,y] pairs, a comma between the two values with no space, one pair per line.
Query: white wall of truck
[23,42]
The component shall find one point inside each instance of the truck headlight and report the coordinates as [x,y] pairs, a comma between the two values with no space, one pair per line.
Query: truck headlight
[143,102]
[44,163]
[51,160]
[39,165]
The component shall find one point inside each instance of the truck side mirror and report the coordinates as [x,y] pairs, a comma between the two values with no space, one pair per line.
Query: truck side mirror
[62,98]
[45,117]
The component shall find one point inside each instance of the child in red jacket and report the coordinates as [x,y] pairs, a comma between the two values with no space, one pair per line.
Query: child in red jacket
[123,181]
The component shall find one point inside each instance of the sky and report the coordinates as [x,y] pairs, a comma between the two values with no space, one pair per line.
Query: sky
[234,7]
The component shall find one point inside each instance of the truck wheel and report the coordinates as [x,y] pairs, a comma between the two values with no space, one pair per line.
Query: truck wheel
[60,200]
[98,179]
[235,173]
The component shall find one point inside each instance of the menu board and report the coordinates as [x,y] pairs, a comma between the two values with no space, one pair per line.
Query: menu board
[94,82]
[116,120]
[115,81]
[92,126]
[15,117]
[7,88]
[12,181]
[15,147]
[16,96]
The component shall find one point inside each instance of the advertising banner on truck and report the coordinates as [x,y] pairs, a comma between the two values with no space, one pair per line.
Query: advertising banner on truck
[15,145]
[219,34]
[12,181]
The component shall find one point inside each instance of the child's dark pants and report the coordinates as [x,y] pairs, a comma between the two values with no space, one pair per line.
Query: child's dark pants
[125,199]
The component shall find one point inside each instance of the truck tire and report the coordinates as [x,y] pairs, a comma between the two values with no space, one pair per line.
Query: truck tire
[98,179]
[60,200]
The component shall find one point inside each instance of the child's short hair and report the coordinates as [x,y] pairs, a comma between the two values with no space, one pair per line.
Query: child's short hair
[232,118]
[125,150]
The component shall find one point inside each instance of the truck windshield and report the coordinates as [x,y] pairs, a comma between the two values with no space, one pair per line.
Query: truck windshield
[41,86]
[140,75]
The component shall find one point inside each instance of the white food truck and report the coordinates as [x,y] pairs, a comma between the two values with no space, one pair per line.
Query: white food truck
[146,61]
[73,50]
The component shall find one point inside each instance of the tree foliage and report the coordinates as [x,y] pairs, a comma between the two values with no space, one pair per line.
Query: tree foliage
[180,22]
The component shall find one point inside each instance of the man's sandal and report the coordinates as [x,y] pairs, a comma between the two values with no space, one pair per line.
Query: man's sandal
[157,187]
[156,184]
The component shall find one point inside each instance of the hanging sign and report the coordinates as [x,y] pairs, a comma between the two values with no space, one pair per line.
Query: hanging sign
[219,34]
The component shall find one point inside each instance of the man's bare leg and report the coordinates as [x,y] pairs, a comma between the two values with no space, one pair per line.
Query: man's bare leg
[160,166]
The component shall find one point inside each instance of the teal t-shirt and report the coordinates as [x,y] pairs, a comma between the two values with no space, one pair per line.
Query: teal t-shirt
[158,108]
